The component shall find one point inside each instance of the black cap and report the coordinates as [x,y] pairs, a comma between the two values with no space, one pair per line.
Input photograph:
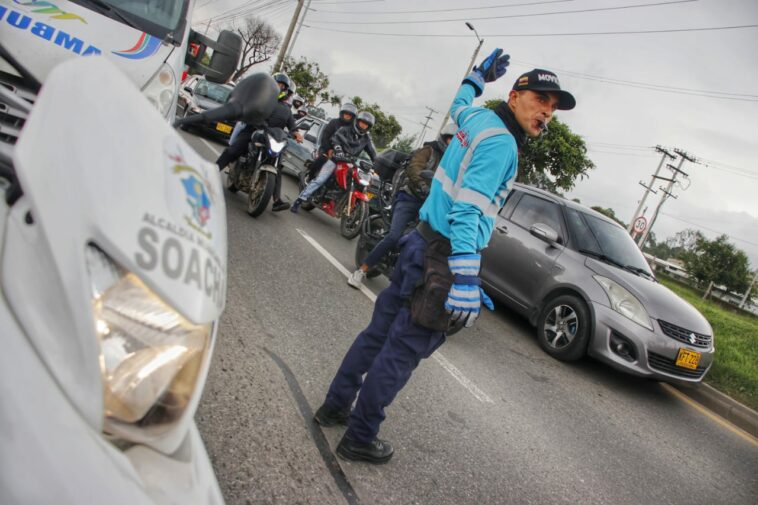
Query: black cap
[545,80]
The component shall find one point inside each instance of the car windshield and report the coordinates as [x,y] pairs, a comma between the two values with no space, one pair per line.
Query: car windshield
[216,92]
[601,238]
[161,18]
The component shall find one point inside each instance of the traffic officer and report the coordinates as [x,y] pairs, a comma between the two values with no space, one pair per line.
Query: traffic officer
[436,280]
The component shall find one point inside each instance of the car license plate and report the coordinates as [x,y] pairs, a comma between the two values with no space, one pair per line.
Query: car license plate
[688,359]
[224,128]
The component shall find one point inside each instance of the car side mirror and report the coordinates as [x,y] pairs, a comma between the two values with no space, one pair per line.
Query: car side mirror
[544,232]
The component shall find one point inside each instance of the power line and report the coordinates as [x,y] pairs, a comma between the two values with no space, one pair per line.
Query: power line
[510,16]
[720,232]
[570,34]
[645,85]
[467,9]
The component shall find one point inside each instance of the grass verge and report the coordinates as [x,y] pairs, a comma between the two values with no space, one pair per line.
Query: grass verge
[735,369]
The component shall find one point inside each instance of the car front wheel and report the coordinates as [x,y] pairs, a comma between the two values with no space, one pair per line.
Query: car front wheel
[563,328]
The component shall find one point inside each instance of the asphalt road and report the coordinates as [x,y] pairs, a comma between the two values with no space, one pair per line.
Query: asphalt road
[489,418]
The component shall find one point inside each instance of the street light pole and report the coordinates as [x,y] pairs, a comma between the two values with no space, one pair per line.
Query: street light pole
[468,70]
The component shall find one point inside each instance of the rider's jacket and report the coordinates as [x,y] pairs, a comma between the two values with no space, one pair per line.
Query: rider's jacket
[325,137]
[352,143]
[474,176]
[281,117]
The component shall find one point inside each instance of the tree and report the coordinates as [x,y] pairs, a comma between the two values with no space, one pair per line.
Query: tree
[259,43]
[385,129]
[720,262]
[312,83]
[404,143]
[317,112]
[554,160]
[683,243]
[608,213]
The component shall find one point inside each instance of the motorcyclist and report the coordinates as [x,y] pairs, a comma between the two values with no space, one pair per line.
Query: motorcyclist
[324,142]
[410,194]
[300,113]
[281,117]
[348,142]
[297,102]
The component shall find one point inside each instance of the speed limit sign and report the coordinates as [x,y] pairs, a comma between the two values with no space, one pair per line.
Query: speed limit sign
[640,224]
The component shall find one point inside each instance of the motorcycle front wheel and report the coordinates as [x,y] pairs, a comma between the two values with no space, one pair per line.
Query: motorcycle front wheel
[260,193]
[229,179]
[302,181]
[350,225]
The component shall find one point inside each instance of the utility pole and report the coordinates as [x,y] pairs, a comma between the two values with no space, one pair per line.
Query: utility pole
[425,125]
[285,44]
[468,70]
[297,32]
[649,187]
[667,192]
[747,293]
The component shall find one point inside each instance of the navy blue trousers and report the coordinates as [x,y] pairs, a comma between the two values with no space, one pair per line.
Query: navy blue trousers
[404,211]
[387,351]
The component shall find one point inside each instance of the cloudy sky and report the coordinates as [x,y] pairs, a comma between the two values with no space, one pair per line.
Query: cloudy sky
[680,86]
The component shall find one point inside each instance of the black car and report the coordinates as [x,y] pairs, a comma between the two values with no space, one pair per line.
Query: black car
[197,95]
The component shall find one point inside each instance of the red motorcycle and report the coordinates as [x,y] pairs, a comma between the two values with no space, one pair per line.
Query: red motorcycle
[344,195]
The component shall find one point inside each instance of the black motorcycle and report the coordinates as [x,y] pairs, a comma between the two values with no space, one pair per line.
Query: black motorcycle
[377,225]
[255,172]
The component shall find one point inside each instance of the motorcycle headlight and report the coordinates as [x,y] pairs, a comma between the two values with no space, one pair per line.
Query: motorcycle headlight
[364,177]
[623,302]
[276,147]
[161,88]
[150,356]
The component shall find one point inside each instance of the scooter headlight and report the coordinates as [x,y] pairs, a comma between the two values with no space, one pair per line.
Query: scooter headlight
[276,147]
[161,89]
[150,356]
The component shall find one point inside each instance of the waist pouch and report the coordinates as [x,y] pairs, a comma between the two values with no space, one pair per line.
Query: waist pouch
[428,298]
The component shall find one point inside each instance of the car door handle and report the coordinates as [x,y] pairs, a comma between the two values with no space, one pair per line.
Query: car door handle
[502,229]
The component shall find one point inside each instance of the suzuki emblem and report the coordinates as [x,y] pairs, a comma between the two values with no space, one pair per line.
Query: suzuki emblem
[693,339]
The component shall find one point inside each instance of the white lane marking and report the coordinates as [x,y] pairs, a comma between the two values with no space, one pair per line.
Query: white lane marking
[210,146]
[438,357]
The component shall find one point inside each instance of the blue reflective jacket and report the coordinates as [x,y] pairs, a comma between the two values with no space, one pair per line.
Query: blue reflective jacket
[474,176]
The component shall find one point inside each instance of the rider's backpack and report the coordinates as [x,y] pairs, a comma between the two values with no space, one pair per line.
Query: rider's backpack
[389,162]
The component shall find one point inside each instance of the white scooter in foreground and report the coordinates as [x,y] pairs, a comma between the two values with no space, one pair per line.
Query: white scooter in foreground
[113,254]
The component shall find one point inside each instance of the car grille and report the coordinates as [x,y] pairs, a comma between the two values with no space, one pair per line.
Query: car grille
[686,336]
[11,118]
[666,365]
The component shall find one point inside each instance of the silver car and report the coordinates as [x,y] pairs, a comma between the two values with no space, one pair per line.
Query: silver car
[581,280]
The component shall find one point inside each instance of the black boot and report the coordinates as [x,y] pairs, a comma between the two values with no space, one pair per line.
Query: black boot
[375,452]
[296,205]
[326,417]
[280,205]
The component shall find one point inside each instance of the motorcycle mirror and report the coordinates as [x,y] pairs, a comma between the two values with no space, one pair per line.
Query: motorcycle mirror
[252,100]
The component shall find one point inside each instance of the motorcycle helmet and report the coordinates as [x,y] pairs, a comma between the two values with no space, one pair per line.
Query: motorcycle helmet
[446,133]
[348,108]
[282,78]
[366,117]
[297,101]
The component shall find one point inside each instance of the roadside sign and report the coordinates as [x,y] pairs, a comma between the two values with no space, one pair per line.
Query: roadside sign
[640,224]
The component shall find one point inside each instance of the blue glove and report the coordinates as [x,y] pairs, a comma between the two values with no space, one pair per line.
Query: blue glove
[466,296]
[492,68]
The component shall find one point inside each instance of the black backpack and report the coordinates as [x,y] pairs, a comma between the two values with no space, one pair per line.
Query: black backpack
[389,162]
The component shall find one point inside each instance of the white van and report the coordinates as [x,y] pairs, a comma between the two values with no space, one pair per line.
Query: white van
[147,39]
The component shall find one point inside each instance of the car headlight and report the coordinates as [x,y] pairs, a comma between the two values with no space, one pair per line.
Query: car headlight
[624,302]
[161,88]
[150,356]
